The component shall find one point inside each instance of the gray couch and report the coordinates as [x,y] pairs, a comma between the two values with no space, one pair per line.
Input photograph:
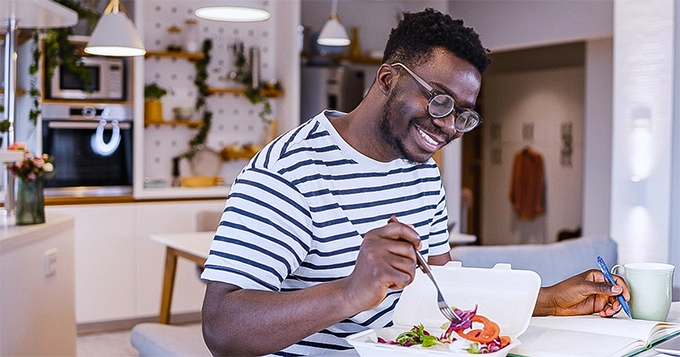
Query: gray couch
[553,262]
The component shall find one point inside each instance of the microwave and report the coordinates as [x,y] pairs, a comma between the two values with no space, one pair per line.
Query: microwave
[107,80]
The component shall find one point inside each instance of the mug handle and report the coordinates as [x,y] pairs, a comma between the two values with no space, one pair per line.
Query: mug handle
[618,266]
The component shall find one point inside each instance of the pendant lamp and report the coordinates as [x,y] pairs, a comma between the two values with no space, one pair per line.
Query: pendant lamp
[115,34]
[232,13]
[333,33]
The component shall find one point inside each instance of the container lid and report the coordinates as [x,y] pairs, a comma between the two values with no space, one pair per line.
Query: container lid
[504,295]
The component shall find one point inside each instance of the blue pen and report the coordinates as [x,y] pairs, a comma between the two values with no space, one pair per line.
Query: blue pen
[610,279]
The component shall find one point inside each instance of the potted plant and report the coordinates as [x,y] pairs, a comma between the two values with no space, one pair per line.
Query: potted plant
[153,107]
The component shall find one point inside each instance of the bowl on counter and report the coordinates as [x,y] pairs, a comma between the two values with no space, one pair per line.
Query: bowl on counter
[198,181]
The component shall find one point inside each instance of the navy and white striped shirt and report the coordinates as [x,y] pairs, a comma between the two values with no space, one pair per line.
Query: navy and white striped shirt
[297,213]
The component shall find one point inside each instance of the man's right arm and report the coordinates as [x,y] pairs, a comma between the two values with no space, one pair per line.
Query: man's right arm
[248,322]
[245,322]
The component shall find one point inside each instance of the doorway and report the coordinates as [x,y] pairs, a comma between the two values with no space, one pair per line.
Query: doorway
[489,184]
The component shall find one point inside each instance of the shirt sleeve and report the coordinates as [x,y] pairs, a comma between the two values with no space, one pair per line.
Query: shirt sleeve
[263,234]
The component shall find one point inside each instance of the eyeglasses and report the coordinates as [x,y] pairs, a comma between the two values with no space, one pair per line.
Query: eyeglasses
[442,104]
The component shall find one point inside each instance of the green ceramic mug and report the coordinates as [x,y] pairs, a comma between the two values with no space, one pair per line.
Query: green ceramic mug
[651,289]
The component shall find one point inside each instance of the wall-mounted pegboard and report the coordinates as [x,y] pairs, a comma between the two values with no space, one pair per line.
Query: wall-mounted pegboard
[235,120]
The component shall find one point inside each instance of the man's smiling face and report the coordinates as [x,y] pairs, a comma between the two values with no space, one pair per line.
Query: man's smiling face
[405,124]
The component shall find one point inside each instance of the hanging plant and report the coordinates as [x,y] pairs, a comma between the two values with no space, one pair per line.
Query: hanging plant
[60,51]
[201,82]
[243,74]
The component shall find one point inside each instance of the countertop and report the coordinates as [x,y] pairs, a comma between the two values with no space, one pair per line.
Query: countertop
[13,236]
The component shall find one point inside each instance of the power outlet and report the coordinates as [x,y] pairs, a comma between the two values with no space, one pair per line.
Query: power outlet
[51,262]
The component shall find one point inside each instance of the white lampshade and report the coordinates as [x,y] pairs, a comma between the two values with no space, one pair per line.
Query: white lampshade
[333,33]
[232,13]
[115,35]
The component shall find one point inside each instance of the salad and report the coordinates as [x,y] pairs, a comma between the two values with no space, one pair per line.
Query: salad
[486,339]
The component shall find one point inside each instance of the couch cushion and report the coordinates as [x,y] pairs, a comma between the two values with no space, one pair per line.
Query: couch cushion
[554,262]
[154,339]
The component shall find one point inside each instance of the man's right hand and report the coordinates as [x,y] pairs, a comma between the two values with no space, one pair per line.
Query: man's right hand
[386,260]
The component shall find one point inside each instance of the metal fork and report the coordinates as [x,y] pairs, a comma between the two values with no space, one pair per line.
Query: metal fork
[443,306]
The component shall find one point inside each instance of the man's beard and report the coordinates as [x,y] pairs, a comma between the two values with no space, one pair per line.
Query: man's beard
[388,134]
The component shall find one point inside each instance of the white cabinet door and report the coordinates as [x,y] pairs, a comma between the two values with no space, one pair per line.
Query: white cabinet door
[104,260]
[167,217]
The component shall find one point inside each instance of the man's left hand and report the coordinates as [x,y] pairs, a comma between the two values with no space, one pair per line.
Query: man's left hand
[582,294]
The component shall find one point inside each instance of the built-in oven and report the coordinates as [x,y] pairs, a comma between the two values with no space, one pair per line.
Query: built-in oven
[92,149]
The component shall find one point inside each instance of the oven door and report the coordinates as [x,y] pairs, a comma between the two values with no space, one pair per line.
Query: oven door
[96,154]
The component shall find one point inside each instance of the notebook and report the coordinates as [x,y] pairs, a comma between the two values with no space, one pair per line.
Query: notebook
[592,336]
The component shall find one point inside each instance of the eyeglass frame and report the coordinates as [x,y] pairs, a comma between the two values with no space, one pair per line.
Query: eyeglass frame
[433,93]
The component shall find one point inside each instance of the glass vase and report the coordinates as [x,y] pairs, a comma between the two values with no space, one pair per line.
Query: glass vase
[30,202]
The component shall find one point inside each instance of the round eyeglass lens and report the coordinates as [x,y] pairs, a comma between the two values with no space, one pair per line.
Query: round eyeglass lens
[441,105]
[466,121]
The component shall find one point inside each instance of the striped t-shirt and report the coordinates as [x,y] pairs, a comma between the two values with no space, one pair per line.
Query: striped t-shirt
[297,213]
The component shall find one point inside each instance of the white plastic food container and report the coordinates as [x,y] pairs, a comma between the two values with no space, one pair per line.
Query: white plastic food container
[503,295]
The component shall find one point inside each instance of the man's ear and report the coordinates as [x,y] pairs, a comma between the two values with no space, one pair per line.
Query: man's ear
[386,78]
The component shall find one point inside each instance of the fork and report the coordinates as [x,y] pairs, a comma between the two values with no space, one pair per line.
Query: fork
[443,306]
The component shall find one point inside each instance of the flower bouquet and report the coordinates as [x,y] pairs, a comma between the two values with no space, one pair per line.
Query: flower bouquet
[32,171]
[32,168]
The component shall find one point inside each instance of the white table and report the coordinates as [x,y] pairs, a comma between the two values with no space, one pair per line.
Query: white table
[461,238]
[194,246]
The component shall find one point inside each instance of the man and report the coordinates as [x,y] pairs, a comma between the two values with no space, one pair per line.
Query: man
[319,232]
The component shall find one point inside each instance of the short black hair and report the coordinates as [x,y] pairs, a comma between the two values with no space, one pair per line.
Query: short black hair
[418,34]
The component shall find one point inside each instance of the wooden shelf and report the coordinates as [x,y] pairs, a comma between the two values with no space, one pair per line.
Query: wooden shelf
[23,36]
[270,93]
[191,124]
[19,91]
[348,58]
[186,55]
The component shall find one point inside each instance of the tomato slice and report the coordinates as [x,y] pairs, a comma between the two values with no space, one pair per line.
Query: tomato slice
[487,334]
[505,340]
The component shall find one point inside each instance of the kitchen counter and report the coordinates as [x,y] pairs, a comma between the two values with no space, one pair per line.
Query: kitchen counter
[13,236]
[37,294]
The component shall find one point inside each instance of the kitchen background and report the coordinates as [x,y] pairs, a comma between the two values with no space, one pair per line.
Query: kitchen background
[235,119]
[128,265]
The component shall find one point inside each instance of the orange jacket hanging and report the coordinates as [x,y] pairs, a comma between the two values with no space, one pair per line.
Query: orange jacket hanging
[526,184]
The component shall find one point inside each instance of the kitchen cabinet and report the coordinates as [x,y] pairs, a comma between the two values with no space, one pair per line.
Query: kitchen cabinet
[105,260]
[37,304]
[119,270]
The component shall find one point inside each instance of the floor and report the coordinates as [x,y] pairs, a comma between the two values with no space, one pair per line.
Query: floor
[109,344]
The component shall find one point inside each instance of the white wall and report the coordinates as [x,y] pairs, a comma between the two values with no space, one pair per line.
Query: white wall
[675,183]
[514,24]
[546,99]
[642,146]
[597,137]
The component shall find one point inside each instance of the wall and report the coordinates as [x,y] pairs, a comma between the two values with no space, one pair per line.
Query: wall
[546,99]
[597,137]
[504,25]
[642,130]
